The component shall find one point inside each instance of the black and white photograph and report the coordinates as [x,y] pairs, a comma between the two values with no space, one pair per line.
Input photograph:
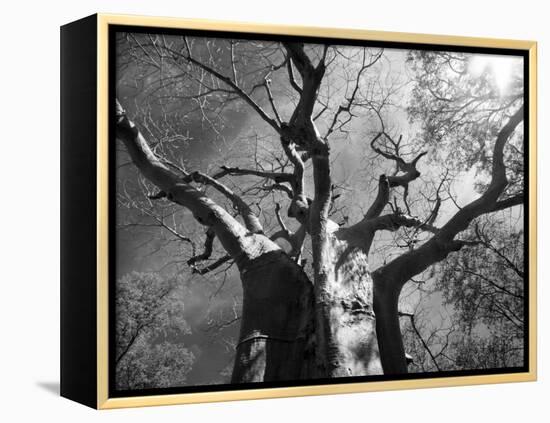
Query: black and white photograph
[290,211]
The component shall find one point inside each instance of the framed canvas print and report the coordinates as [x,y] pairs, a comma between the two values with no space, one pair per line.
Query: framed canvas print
[254,211]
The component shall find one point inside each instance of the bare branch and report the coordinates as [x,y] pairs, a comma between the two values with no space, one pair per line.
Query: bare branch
[402,268]
[219,262]
[233,84]
[489,200]
[208,246]
[485,241]
[351,100]
[300,59]
[394,221]
[158,195]
[381,199]
[280,220]
[178,190]
[291,78]
[267,85]
[276,187]
[408,170]
[424,344]
[290,150]
[311,80]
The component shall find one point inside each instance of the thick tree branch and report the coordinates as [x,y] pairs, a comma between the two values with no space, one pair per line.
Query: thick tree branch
[285,230]
[300,59]
[401,269]
[206,254]
[278,177]
[251,221]
[515,200]
[295,239]
[394,221]
[381,199]
[408,169]
[213,266]
[311,80]
[390,278]
[405,172]
[302,131]
[291,78]
[296,159]
[232,235]
[372,221]
[208,247]
[488,201]
[299,205]
[362,233]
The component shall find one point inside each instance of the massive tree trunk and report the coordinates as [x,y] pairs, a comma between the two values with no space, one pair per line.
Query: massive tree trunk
[278,325]
[276,335]
[346,311]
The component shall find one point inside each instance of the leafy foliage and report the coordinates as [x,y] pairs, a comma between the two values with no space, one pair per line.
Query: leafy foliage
[149,316]
[462,104]
[483,286]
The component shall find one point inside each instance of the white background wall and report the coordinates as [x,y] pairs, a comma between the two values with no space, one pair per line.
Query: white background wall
[29,270]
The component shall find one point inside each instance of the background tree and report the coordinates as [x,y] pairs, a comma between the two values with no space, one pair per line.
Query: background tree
[148,314]
[481,325]
[321,292]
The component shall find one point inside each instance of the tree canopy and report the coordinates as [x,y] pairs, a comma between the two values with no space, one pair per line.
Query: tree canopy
[149,315]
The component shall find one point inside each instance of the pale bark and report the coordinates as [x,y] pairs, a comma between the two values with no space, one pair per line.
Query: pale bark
[345,335]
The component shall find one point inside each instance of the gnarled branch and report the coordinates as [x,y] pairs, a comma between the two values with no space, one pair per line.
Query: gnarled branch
[251,221]
[213,266]
[233,84]
[398,271]
[208,247]
[179,190]
[278,177]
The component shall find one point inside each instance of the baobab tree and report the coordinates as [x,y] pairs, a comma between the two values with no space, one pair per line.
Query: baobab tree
[314,302]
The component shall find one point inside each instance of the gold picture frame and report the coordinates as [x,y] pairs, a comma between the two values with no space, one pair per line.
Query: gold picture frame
[101,300]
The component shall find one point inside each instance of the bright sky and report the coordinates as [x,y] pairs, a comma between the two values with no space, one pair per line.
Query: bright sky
[499,67]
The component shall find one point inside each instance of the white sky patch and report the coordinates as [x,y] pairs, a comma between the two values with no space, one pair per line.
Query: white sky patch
[501,68]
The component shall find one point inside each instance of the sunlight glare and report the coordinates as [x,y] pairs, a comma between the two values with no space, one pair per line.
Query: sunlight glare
[500,68]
